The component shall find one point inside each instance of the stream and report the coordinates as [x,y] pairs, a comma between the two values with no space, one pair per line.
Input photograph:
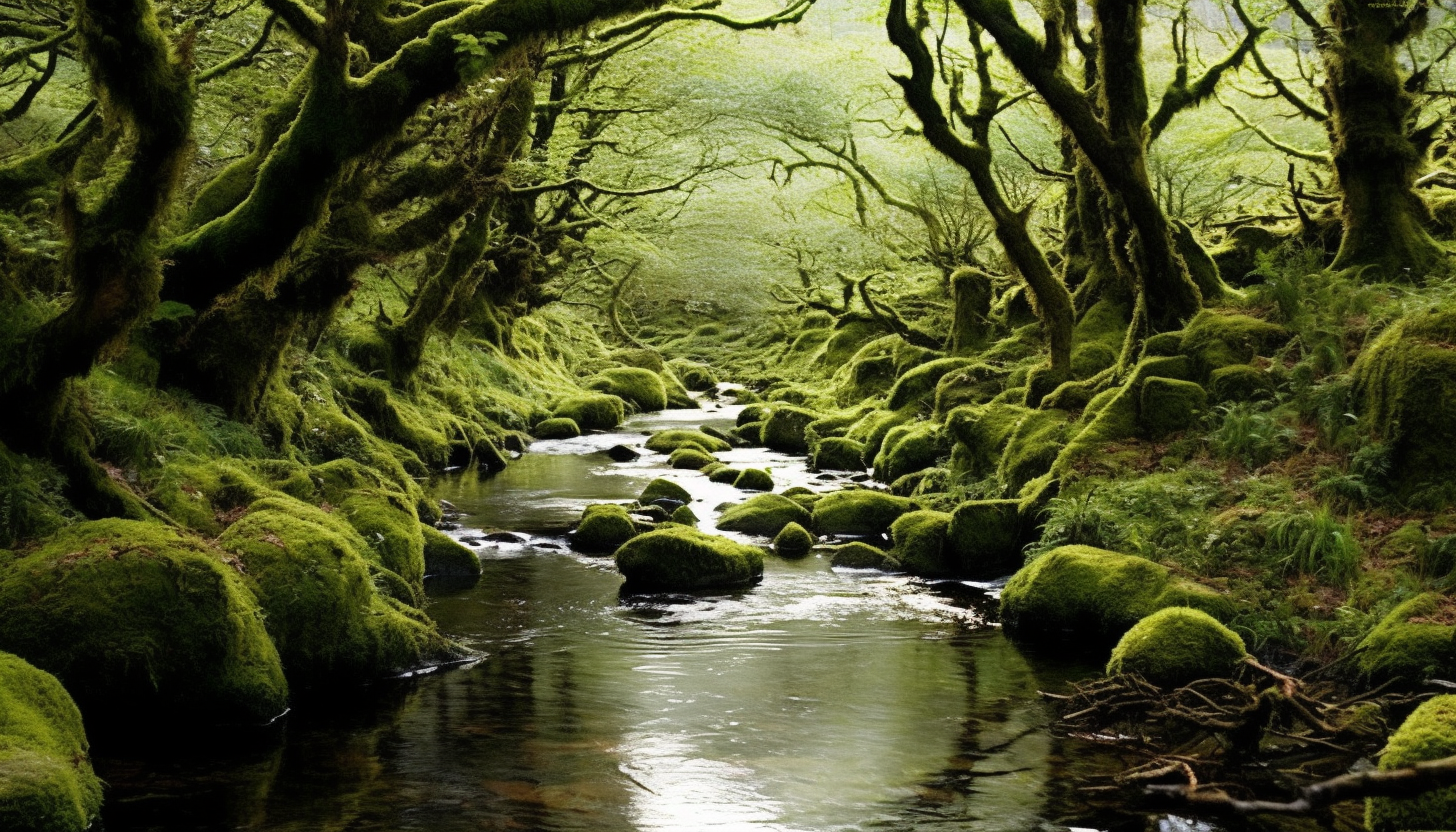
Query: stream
[820,699]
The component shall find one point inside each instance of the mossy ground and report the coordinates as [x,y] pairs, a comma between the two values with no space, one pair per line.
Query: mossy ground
[46,781]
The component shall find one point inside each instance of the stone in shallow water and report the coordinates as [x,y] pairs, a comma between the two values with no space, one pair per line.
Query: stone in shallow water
[622,453]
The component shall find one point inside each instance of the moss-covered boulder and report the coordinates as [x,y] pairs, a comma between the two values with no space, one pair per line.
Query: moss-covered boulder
[1177,645]
[684,515]
[1169,405]
[592,411]
[1414,642]
[1084,595]
[985,538]
[979,435]
[602,529]
[140,621]
[793,542]
[872,428]
[785,428]
[447,558]
[1429,733]
[680,559]
[766,514]
[46,781]
[1216,339]
[752,413]
[859,512]
[315,581]
[660,489]
[667,441]
[690,459]
[838,453]
[919,543]
[754,479]
[725,474]
[678,396]
[918,385]
[642,389]
[858,555]
[556,429]
[694,376]
[910,448]
[1404,384]
[750,434]
[387,522]
[1239,383]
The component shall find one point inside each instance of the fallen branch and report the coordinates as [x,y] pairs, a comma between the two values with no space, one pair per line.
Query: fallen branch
[1400,782]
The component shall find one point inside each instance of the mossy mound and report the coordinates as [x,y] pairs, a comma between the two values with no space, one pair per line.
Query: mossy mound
[754,479]
[556,429]
[642,389]
[919,543]
[1404,384]
[750,434]
[972,384]
[1410,643]
[388,524]
[785,427]
[1114,414]
[766,514]
[46,781]
[918,385]
[1429,733]
[985,538]
[980,433]
[690,459]
[140,622]
[201,493]
[694,376]
[1032,448]
[592,411]
[1217,339]
[678,396]
[603,528]
[872,428]
[660,489]
[752,413]
[793,541]
[1177,645]
[1239,383]
[858,512]
[910,448]
[644,359]
[725,474]
[862,556]
[679,558]
[1169,405]
[1081,595]
[838,454]
[685,516]
[331,624]
[447,558]
[667,441]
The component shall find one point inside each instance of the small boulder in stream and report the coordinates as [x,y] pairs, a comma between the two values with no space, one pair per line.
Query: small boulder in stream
[622,453]
[681,558]
[602,529]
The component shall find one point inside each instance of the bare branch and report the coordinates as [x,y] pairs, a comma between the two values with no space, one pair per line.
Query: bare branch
[1289,150]
[1400,782]
[243,58]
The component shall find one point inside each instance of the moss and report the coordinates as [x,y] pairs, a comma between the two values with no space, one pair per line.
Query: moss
[1169,406]
[872,428]
[667,441]
[1216,339]
[46,781]
[752,413]
[696,377]
[741,395]
[660,489]
[754,479]
[387,521]
[910,448]
[396,419]
[980,434]
[199,493]
[803,497]
[1090,359]
[446,558]
[678,396]
[972,384]
[1163,344]
[766,514]
[784,429]
[331,624]
[684,559]
[690,459]
[919,543]
[1404,383]
[919,384]
[603,528]
[1408,644]
[836,425]
[592,411]
[642,389]
[140,621]
[849,335]
[1178,645]
[556,429]
[793,541]
[1113,415]
[643,359]
[1429,733]
[1239,383]
[1080,595]
[684,516]
[1032,447]
[858,512]
[838,454]
[751,433]
[862,556]
[726,475]
[985,538]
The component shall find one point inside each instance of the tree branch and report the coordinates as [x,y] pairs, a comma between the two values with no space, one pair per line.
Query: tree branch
[1401,782]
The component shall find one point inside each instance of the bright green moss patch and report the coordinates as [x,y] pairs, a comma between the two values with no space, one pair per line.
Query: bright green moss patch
[1169,405]
[680,558]
[1239,383]
[592,411]
[785,427]
[858,512]
[793,541]
[750,433]
[642,389]
[918,385]
[46,781]
[1429,733]
[910,448]
[387,522]
[685,516]
[446,558]
[1216,339]
[556,429]
[754,479]
[766,514]
[603,528]
[919,543]
[873,426]
[1177,645]
[838,454]
[862,556]
[694,376]
[660,489]
[1413,642]
[690,459]
[985,537]
[667,441]
[141,621]
[725,474]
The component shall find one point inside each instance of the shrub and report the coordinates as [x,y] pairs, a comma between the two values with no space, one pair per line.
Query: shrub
[1250,434]
[1315,543]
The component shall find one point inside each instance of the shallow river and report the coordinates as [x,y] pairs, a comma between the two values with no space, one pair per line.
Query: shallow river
[818,700]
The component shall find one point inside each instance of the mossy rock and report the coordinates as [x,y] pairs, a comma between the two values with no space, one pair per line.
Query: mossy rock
[849,335]
[1084,595]
[750,434]
[46,781]
[685,516]
[754,479]
[919,543]
[1163,344]
[330,621]
[694,376]
[678,396]
[979,435]
[603,528]
[838,454]
[717,434]
[681,559]
[725,474]
[642,389]
[910,448]
[140,621]
[592,411]
[1217,339]
[918,385]
[1239,383]
[201,493]
[660,488]
[858,512]
[1033,446]
[858,555]
[752,413]
[872,428]
[1429,733]
[985,538]
[447,558]
[1169,406]
[1404,384]
[388,523]
[690,459]
[556,429]
[766,514]
[803,496]
[1090,359]
[784,430]
[793,542]
[1411,643]
[643,359]
[1114,414]
[1178,645]
[667,441]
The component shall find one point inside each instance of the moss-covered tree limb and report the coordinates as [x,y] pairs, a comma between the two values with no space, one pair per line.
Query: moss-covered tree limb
[1182,95]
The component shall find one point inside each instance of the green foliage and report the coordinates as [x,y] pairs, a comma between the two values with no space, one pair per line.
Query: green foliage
[1429,733]
[766,514]
[1412,642]
[31,504]
[679,558]
[46,781]
[603,528]
[445,558]
[1249,433]
[1177,645]
[1315,543]
[472,53]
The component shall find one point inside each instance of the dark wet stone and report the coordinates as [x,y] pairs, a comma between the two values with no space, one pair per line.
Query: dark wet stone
[654,512]
[472,541]
[668,504]
[622,453]
[447,526]
[505,537]
[860,478]
[826,477]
